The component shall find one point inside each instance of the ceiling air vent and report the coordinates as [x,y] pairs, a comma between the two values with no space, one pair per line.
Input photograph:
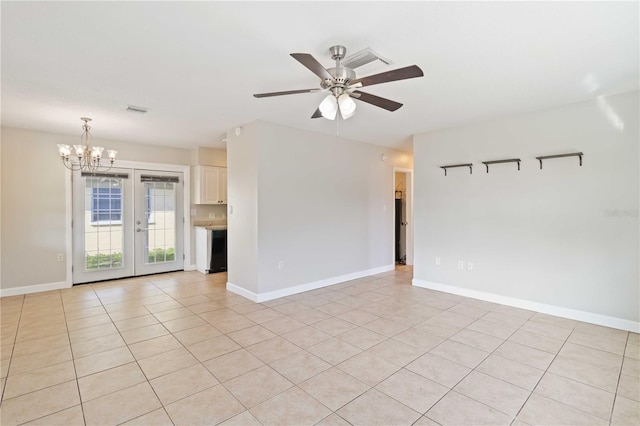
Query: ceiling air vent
[140,110]
[361,58]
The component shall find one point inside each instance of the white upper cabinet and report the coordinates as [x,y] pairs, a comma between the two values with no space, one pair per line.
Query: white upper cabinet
[210,185]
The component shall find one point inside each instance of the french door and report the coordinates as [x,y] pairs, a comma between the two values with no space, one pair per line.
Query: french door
[126,223]
[158,222]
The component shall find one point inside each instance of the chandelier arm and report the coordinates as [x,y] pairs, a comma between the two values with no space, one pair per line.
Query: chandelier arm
[69,164]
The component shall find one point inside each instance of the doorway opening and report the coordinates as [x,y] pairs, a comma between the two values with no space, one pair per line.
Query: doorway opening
[403,216]
[126,222]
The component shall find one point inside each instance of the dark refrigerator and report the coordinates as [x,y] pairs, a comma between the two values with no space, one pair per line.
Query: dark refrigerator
[218,251]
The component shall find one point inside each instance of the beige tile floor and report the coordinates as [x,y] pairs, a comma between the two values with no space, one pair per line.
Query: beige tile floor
[179,349]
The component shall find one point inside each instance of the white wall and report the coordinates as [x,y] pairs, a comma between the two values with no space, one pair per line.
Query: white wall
[33,224]
[324,206]
[242,206]
[565,236]
[210,157]
[33,209]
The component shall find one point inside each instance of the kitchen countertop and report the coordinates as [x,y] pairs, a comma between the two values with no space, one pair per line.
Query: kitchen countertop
[210,224]
[212,227]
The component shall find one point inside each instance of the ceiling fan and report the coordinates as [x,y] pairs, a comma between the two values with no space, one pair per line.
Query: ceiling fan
[341,81]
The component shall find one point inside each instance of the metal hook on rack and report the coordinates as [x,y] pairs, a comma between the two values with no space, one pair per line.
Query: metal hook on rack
[469,165]
[572,154]
[510,160]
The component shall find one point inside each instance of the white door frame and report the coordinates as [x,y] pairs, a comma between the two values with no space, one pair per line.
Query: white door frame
[186,172]
[409,214]
[142,266]
[80,274]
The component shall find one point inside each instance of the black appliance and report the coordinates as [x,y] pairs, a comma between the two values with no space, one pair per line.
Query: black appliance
[398,228]
[218,251]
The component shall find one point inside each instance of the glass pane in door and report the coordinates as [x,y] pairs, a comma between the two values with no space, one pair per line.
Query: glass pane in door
[160,213]
[103,214]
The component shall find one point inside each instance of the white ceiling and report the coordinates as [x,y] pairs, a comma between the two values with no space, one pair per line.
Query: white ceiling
[195,65]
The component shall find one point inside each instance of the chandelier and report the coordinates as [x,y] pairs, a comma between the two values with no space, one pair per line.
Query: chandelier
[85,157]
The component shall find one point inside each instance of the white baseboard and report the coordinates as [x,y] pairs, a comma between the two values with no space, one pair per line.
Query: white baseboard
[190,268]
[36,288]
[242,292]
[558,311]
[276,294]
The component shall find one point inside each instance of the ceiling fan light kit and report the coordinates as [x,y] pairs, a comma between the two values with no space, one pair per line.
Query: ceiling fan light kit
[347,106]
[343,83]
[329,107]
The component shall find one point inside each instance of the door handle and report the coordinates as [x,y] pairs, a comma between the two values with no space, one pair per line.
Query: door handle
[141,230]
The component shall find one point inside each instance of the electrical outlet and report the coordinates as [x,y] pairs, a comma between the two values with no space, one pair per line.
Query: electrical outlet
[469,266]
[438,260]
[281,265]
[60,257]
[460,264]
[194,212]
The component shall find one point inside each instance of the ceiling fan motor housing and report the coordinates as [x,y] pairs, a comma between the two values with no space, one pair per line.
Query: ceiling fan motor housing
[341,75]
[338,52]
[341,78]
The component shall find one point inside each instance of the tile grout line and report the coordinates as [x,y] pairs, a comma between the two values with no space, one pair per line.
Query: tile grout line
[428,351]
[615,395]
[541,377]
[404,367]
[73,358]
[199,362]
[137,363]
[277,372]
[356,327]
[472,369]
[13,347]
[47,387]
[265,365]
[577,381]
[58,292]
[183,346]
[148,381]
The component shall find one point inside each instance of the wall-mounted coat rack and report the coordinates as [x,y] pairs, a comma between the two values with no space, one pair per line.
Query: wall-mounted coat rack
[573,154]
[469,165]
[510,160]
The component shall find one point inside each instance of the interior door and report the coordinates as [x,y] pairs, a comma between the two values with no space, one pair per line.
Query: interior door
[102,226]
[158,222]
